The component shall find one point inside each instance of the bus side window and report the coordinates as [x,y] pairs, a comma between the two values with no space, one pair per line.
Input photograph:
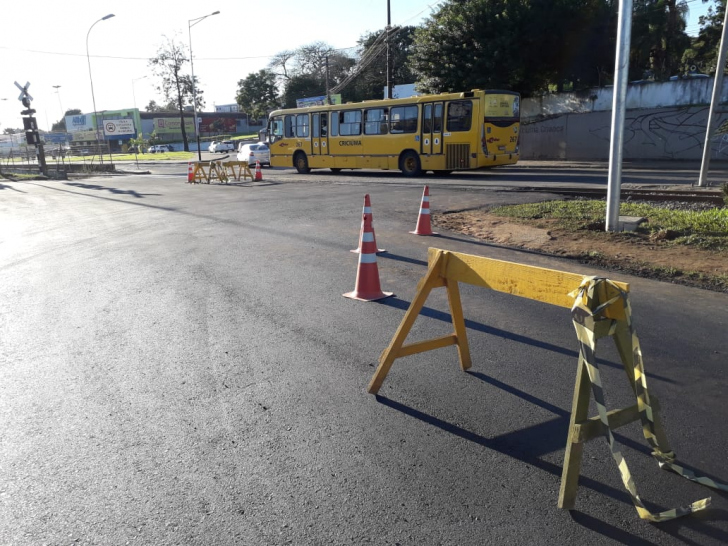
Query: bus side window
[437,125]
[276,129]
[315,125]
[289,127]
[334,124]
[302,125]
[427,118]
[324,127]
[459,115]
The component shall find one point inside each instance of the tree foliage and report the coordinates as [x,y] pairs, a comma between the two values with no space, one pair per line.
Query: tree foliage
[524,46]
[703,51]
[371,81]
[175,85]
[60,125]
[257,93]
[658,38]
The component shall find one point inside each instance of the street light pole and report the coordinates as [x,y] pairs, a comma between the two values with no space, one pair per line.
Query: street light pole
[57,87]
[93,98]
[190,24]
[133,93]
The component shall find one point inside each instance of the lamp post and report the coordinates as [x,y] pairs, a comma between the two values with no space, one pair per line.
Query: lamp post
[93,98]
[132,89]
[190,24]
[57,87]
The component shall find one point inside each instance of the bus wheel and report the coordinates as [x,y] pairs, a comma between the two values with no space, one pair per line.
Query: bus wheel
[409,164]
[441,173]
[335,170]
[300,161]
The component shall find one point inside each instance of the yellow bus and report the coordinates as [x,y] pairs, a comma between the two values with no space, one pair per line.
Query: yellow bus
[441,133]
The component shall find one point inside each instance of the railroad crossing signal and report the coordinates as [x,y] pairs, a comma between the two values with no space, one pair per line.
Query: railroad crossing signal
[24,96]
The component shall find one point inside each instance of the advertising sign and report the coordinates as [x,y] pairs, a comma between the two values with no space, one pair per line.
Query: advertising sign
[118,127]
[170,125]
[501,106]
[84,136]
[317,101]
[81,122]
[217,125]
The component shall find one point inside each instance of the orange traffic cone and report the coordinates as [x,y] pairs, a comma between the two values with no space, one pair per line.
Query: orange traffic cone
[423,220]
[367,276]
[190,172]
[367,210]
[258,172]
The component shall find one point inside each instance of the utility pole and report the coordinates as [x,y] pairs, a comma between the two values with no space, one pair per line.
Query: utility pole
[715,99]
[389,53]
[619,107]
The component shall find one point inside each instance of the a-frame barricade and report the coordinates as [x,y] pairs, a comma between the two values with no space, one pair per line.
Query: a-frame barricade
[600,308]
[237,170]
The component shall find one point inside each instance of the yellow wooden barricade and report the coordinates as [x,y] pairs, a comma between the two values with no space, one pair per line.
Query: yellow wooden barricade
[237,170]
[606,313]
[208,171]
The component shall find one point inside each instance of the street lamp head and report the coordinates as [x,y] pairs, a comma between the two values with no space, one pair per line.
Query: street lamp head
[109,16]
[214,13]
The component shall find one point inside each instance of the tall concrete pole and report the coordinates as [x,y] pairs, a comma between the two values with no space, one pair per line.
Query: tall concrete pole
[619,107]
[715,99]
[389,53]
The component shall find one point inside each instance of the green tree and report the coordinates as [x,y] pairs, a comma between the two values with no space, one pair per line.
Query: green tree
[372,76]
[153,107]
[258,94]
[526,46]
[703,51]
[175,85]
[658,38]
[60,126]
[305,85]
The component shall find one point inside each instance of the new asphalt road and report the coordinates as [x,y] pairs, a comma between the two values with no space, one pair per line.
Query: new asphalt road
[178,366]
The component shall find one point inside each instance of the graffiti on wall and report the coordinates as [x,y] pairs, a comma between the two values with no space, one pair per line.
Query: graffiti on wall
[655,133]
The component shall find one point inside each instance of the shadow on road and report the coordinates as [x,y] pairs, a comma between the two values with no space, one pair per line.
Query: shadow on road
[116,191]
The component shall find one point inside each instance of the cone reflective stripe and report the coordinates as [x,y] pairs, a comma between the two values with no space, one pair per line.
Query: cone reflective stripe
[367,210]
[190,171]
[258,172]
[423,220]
[367,286]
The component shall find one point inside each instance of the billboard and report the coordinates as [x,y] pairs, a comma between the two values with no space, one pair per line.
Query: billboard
[81,122]
[170,125]
[118,127]
[317,101]
[217,125]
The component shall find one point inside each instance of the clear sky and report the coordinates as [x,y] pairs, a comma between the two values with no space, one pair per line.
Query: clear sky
[44,42]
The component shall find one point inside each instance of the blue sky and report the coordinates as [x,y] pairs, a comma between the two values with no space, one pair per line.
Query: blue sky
[44,42]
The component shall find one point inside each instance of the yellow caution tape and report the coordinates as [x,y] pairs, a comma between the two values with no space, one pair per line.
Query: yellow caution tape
[598,300]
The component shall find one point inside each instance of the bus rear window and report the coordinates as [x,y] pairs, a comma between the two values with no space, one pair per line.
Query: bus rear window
[459,115]
[502,106]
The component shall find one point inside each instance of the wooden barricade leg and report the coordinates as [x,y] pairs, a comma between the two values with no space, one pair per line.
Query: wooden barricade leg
[574,443]
[394,350]
[458,321]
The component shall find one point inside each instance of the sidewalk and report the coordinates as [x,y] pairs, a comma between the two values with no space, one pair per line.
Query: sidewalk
[674,165]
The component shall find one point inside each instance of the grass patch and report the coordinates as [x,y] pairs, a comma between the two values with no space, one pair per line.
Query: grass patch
[705,229]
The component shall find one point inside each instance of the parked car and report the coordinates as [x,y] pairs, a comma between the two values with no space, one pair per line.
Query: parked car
[254,152]
[160,148]
[135,150]
[220,147]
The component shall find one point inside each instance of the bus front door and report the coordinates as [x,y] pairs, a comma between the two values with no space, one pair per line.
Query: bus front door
[320,134]
[432,129]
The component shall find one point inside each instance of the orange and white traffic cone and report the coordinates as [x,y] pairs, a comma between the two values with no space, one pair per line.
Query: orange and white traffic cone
[258,172]
[367,210]
[423,220]
[190,172]
[367,286]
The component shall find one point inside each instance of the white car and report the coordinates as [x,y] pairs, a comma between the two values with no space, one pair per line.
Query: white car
[254,152]
[160,148]
[220,147]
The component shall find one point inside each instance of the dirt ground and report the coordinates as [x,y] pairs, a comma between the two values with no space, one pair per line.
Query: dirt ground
[627,252]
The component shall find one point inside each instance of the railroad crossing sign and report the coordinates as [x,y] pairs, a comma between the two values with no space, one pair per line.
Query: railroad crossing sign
[24,93]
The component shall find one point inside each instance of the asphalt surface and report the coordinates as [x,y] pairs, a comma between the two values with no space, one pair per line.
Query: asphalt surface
[178,366]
